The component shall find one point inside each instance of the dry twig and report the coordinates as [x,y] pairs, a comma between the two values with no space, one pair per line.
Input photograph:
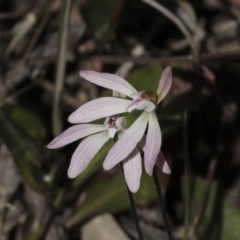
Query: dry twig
[179,24]
[2,206]
[61,65]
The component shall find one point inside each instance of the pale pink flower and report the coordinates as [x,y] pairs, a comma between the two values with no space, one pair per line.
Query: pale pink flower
[125,149]
[144,100]
[88,148]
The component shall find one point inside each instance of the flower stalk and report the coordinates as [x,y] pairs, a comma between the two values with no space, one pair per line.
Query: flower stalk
[186,177]
[162,204]
[133,207]
[131,200]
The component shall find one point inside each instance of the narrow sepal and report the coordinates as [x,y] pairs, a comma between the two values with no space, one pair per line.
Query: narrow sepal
[153,143]
[132,166]
[85,152]
[110,81]
[74,133]
[162,164]
[164,83]
[99,108]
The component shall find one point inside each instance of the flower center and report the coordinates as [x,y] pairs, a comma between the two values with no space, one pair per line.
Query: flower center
[149,96]
[114,124]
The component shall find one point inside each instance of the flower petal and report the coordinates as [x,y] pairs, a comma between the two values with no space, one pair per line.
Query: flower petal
[99,108]
[125,145]
[110,81]
[132,166]
[74,133]
[162,163]
[85,152]
[164,83]
[153,143]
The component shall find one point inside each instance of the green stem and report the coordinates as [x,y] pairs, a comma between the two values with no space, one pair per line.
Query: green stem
[61,65]
[162,204]
[186,177]
[132,202]
[133,207]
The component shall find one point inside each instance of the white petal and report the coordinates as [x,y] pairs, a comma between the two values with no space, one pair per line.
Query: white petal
[153,143]
[110,81]
[162,163]
[74,133]
[99,108]
[85,152]
[125,145]
[164,83]
[132,167]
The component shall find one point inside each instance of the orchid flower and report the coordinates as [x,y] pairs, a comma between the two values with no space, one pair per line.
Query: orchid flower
[88,148]
[107,106]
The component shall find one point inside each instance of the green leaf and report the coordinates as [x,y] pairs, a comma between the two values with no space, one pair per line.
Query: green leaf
[221,217]
[90,171]
[146,78]
[231,219]
[24,151]
[197,186]
[109,194]
[101,16]
[27,122]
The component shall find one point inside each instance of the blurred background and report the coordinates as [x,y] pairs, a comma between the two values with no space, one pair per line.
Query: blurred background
[40,87]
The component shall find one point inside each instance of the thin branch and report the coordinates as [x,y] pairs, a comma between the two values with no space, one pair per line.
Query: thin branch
[113,59]
[65,97]
[20,64]
[204,57]
[23,27]
[61,65]
[179,24]
[37,34]
[2,206]
[145,60]
[47,86]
